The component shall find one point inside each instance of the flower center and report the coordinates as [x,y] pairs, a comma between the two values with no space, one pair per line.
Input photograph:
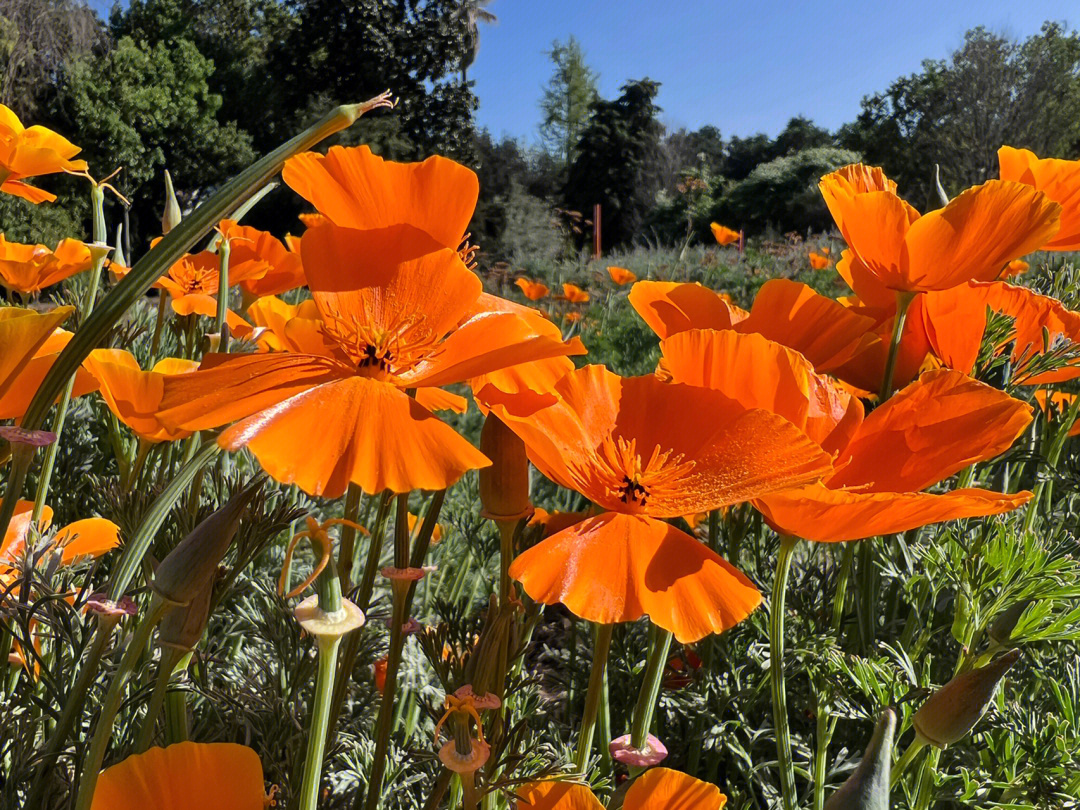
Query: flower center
[382,351]
[633,480]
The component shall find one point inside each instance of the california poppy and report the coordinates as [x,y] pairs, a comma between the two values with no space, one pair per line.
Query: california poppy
[391,311]
[819,261]
[1056,403]
[925,433]
[574,294]
[193,283]
[722,235]
[259,262]
[972,238]
[643,451]
[210,776]
[27,374]
[1057,179]
[31,268]
[134,395]
[621,276]
[656,789]
[22,334]
[354,188]
[533,290]
[90,537]
[31,152]
[1017,267]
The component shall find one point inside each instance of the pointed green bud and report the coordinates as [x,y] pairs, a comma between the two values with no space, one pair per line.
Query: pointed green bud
[938,187]
[187,568]
[171,218]
[182,627]
[868,786]
[954,709]
[1001,629]
[118,253]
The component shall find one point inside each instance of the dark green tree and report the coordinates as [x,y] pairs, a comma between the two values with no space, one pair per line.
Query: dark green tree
[612,159]
[743,155]
[567,101]
[800,133]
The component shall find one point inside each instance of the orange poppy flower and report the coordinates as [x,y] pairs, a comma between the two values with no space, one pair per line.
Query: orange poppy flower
[279,326]
[30,153]
[414,529]
[1057,179]
[22,334]
[670,306]
[819,261]
[533,290]
[1017,267]
[656,789]
[354,188]
[722,235]
[621,276]
[574,294]
[27,375]
[392,313]
[644,450]
[134,395]
[192,284]
[1057,402]
[972,238]
[925,433]
[259,262]
[32,268]
[91,537]
[210,776]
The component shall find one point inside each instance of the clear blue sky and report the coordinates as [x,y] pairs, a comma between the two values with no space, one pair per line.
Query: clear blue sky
[743,66]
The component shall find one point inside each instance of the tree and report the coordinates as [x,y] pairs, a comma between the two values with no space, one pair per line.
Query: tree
[800,133]
[472,12]
[958,112]
[37,38]
[612,158]
[743,155]
[567,101]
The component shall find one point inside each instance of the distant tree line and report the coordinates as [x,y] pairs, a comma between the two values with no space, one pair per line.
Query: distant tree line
[201,87]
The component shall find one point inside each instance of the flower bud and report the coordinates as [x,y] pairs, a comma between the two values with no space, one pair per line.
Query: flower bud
[171,218]
[868,786]
[504,486]
[183,625]
[186,569]
[954,709]
[1001,629]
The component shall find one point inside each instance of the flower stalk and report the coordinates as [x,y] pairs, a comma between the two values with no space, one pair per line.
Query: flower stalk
[776,672]
[601,647]
[903,302]
[650,687]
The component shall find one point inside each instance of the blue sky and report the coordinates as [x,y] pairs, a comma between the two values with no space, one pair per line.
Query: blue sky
[742,66]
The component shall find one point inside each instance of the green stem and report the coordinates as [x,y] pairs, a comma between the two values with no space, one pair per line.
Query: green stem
[507,532]
[903,301]
[320,715]
[925,794]
[113,699]
[917,745]
[159,325]
[221,323]
[601,647]
[844,577]
[650,687]
[353,496]
[170,657]
[386,707]
[176,716]
[821,753]
[776,670]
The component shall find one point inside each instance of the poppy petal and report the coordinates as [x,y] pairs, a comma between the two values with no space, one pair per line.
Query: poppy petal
[669,307]
[370,434]
[618,568]
[22,333]
[210,776]
[552,795]
[1057,179]
[91,537]
[837,515]
[933,428]
[665,789]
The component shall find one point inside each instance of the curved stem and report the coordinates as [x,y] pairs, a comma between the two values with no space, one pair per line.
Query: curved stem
[821,753]
[170,657]
[650,687]
[903,301]
[221,322]
[382,726]
[776,671]
[906,759]
[601,646]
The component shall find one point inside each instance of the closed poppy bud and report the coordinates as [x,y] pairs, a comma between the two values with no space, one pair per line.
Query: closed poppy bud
[186,569]
[954,709]
[171,218]
[868,786]
[504,486]
[183,625]
[1001,629]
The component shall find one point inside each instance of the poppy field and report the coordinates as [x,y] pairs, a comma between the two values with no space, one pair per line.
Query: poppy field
[343,518]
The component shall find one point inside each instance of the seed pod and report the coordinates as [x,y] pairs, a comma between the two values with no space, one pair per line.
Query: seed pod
[504,486]
[1001,630]
[182,627]
[868,786]
[954,709]
[185,570]
[171,217]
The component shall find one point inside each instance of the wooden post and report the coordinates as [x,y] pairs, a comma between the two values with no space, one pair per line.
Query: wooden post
[596,230]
